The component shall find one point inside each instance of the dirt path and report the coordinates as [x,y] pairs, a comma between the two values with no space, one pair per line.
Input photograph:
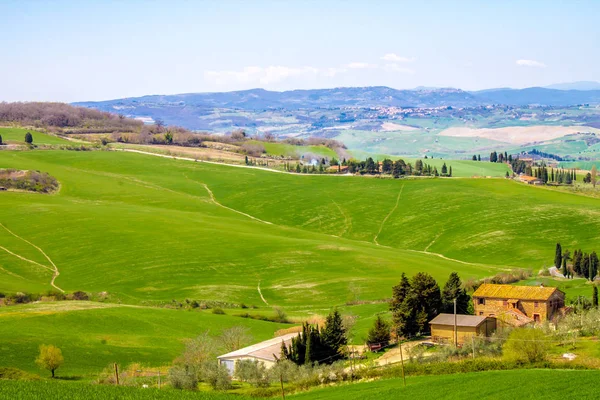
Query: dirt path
[347,220]
[387,216]
[433,241]
[214,200]
[260,293]
[56,272]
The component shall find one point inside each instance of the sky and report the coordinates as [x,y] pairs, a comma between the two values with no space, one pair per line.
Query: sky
[98,50]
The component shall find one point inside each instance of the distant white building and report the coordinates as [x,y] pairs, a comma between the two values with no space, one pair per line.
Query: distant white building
[264,352]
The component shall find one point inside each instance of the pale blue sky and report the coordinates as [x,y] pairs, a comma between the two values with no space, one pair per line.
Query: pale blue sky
[95,50]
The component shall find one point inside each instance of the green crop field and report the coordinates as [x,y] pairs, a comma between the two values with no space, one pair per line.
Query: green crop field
[94,335]
[289,150]
[148,230]
[17,136]
[515,384]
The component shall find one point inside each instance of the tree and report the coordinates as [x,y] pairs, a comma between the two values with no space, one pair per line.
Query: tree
[50,358]
[28,138]
[169,137]
[450,171]
[593,174]
[558,256]
[453,290]
[1,139]
[593,265]
[479,157]
[526,345]
[159,123]
[379,332]
[595,297]
[234,338]
[387,166]
[474,158]
[444,169]
[333,335]
[419,166]
[399,293]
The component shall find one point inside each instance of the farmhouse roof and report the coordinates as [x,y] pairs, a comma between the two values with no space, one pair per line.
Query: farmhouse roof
[515,292]
[263,350]
[461,320]
[529,178]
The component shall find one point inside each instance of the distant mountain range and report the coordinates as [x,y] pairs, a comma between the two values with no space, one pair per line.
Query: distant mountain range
[182,108]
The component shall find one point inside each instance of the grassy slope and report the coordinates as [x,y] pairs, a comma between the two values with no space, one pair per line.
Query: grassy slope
[289,150]
[93,335]
[517,384]
[17,136]
[145,228]
[97,229]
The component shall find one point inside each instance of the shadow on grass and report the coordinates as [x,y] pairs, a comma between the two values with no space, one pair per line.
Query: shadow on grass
[68,378]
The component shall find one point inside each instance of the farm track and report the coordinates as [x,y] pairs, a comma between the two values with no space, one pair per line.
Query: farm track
[388,216]
[260,293]
[214,200]
[56,272]
[347,220]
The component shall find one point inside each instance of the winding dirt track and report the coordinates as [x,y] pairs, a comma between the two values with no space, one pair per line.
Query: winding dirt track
[54,269]
[387,216]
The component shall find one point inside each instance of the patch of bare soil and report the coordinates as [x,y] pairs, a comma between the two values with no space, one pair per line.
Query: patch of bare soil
[517,134]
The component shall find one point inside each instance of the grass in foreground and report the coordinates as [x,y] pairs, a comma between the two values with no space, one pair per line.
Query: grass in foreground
[515,384]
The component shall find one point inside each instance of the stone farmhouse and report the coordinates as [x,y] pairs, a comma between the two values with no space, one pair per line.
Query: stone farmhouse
[518,305]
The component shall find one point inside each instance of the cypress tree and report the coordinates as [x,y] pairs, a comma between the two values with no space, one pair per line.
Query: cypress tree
[450,171]
[444,169]
[453,290]
[595,297]
[308,355]
[585,265]
[479,157]
[1,139]
[379,332]
[558,256]
[28,138]
[333,335]
[565,272]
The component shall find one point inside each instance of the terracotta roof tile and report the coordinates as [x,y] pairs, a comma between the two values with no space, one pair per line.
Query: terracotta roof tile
[514,292]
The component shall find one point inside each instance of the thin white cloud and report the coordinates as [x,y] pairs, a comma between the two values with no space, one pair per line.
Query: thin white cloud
[530,63]
[397,59]
[262,75]
[360,65]
[398,68]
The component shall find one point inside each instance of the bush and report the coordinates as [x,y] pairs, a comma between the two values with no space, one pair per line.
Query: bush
[181,377]
[216,375]
[79,295]
[253,372]
[218,311]
[527,345]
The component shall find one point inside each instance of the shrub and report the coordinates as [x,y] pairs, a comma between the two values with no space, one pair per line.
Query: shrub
[527,345]
[216,375]
[253,372]
[79,295]
[218,311]
[181,377]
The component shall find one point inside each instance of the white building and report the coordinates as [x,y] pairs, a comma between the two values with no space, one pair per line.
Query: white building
[264,352]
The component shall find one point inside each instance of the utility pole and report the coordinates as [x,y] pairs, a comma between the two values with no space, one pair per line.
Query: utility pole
[455,328]
[402,362]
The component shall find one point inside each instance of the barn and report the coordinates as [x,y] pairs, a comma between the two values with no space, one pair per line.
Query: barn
[442,327]
[265,352]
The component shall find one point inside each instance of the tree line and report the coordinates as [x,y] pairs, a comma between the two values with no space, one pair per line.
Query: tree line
[560,176]
[582,264]
[315,345]
[369,166]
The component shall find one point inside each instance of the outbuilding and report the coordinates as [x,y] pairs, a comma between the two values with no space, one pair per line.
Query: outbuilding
[442,327]
[266,352]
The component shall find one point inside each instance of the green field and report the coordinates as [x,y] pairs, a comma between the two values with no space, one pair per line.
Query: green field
[17,136]
[515,384]
[94,335]
[146,230]
[289,150]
